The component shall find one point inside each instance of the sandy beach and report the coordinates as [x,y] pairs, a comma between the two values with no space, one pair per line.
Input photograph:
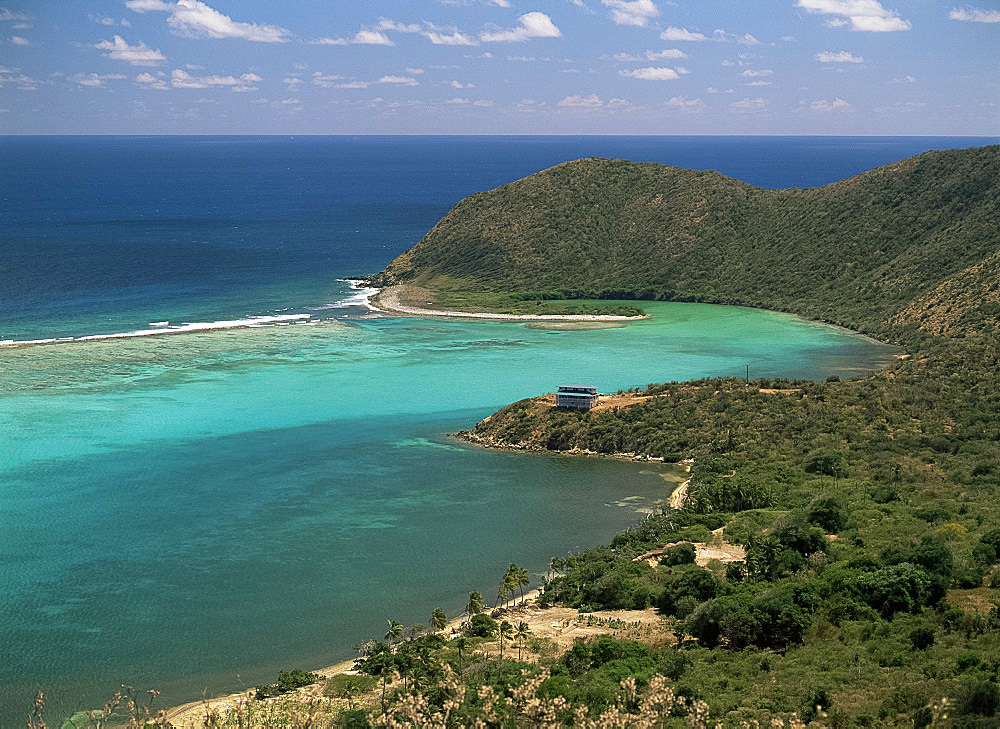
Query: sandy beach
[389,299]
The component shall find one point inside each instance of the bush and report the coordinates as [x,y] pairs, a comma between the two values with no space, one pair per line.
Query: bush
[679,554]
[921,638]
[828,513]
[826,462]
[287,681]
[686,581]
[482,626]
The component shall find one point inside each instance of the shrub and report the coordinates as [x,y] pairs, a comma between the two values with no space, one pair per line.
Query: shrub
[921,638]
[828,513]
[482,626]
[678,554]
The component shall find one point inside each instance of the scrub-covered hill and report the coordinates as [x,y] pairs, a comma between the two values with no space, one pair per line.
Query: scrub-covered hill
[857,252]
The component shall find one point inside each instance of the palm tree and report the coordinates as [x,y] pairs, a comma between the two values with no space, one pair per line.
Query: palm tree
[506,631]
[521,579]
[475,605]
[461,643]
[395,631]
[521,634]
[438,619]
[555,566]
[503,590]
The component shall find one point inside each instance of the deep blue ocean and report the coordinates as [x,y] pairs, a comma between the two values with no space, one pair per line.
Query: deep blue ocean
[195,512]
[105,234]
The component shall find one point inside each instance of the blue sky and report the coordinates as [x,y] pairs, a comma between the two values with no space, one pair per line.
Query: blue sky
[882,67]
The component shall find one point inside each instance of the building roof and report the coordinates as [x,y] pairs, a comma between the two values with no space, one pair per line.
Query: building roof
[579,387]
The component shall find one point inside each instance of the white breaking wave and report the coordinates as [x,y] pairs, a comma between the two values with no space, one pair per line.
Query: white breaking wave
[252,321]
[361,297]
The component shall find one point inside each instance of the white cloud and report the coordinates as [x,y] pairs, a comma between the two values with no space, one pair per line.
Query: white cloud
[458,100]
[667,53]
[585,102]
[415,71]
[437,34]
[353,85]
[632,12]
[624,57]
[330,42]
[837,104]
[453,38]
[326,81]
[748,106]
[652,73]
[530,25]
[7,15]
[152,82]
[760,83]
[838,57]
[482,103]
[291,102]
[105,20]
[14,76]
[725,37]
[684,103]
[460,85]
[195,19]
[140,55]
[905,80]
[183,80]
[19,41]
[975,15]
[751,73]
[387,24]
[713,90]
[371,38]
[96,79]
[681,34]
[403,80]
[291,81]
[861,15]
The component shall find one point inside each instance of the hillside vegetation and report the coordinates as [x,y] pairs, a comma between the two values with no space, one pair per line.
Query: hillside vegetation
[867,508]
[857,252]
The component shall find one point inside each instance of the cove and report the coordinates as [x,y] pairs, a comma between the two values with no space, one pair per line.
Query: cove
[195,512]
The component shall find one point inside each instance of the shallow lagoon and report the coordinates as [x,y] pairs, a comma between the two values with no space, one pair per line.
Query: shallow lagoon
[197,511]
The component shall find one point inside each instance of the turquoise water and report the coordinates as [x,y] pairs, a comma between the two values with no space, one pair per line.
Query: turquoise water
[195,512]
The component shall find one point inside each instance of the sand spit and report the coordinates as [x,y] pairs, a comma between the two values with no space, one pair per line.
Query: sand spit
[389,299]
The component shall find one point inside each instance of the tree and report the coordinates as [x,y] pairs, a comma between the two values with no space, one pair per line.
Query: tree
[555,566]
[506,631]
[461,643]
[438,619]
[503,590]
[521,633]
[475,605]
[518,578]
[395,631]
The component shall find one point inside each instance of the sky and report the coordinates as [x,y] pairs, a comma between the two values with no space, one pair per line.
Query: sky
[784,67]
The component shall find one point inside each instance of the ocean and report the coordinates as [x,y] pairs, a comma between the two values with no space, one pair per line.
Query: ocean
[195,512]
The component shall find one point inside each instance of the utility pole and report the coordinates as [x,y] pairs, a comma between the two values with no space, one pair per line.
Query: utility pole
[748,374]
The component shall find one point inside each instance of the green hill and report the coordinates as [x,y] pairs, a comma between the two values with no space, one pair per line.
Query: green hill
[858,252]
[867,508]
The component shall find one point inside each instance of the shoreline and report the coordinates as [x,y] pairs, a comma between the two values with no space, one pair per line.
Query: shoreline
[387,300]
[191,714]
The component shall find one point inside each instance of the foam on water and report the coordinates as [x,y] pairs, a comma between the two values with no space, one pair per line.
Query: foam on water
[164,328]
